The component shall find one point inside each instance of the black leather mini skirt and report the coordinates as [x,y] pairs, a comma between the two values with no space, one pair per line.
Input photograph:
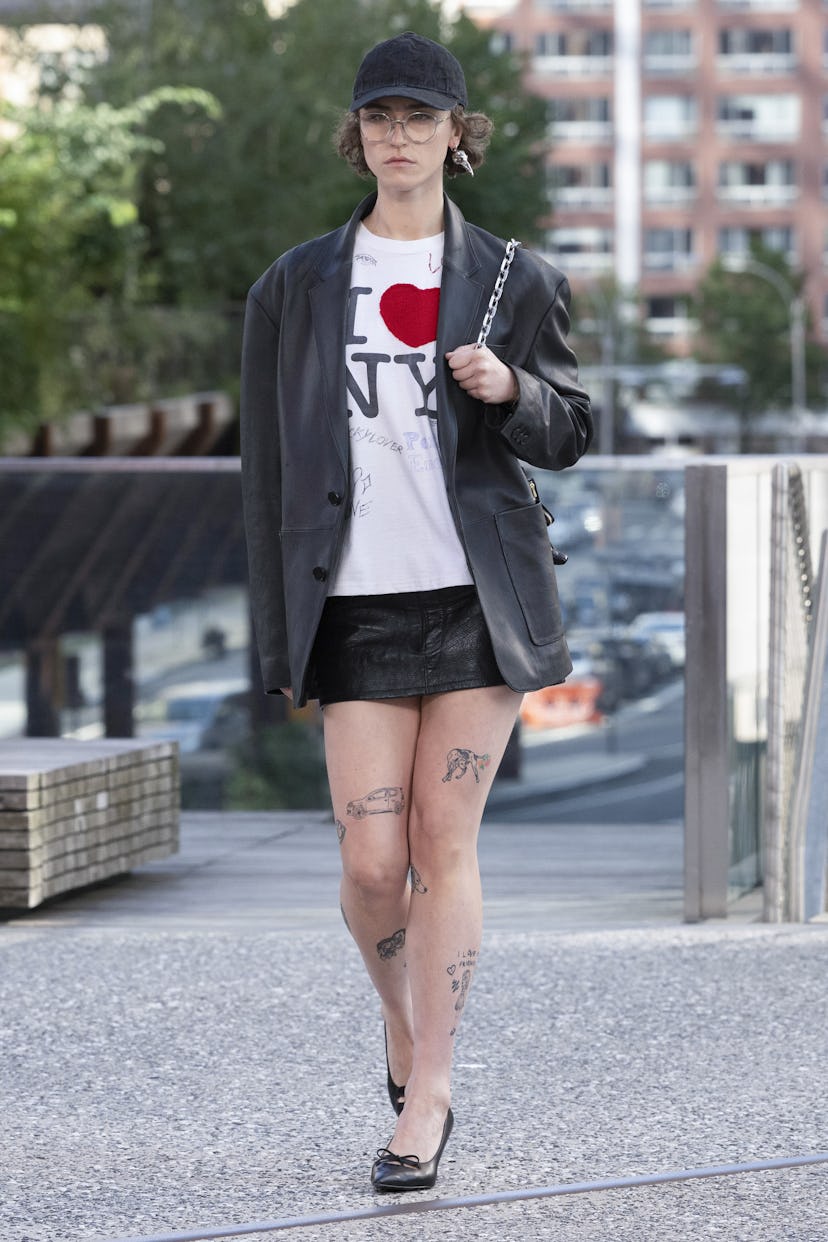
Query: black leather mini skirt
[395,646]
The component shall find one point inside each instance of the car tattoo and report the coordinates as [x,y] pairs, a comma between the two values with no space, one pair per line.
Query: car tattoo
[378,802]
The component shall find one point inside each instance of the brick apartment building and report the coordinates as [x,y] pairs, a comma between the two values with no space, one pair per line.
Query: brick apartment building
[679,130]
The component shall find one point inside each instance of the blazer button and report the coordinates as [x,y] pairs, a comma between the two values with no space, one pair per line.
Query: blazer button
[320,574]
[334,498]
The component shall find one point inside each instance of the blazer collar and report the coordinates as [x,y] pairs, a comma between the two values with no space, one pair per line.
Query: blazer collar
[458,249]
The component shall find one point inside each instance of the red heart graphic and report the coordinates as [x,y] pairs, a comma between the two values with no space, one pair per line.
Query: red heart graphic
[411,313]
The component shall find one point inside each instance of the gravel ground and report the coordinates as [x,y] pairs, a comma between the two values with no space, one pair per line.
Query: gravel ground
[160,1081]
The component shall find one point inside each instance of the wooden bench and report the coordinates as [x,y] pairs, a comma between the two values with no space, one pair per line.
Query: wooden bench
[73,813]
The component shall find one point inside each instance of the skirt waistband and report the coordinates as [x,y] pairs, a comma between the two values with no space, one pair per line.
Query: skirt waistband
[441,598]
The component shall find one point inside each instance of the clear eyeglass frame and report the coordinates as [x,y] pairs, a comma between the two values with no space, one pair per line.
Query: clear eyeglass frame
[418,127]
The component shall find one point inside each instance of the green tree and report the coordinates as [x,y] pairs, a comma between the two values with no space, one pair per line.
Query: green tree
[70,241]
[221,202]
[745,321]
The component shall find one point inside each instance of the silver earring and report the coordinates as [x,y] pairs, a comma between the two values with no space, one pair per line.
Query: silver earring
[461,160]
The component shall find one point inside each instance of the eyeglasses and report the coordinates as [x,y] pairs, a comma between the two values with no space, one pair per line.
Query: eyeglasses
[417,126]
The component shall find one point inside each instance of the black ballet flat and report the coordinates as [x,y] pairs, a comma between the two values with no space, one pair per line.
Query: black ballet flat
[391,1172]
[395,1094]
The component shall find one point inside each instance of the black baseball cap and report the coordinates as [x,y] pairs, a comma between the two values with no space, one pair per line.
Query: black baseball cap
[414,67]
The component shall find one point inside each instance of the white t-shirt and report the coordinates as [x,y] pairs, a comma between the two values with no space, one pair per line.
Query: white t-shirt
[400,534]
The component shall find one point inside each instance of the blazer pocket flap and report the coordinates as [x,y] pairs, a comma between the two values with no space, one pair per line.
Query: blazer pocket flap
[528,556]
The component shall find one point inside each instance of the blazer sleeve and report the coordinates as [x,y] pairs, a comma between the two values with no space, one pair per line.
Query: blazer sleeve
[261,491]
[550,424]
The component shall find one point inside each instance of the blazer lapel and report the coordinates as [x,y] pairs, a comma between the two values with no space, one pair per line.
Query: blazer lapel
[329,304]
[329,312]
[462,304]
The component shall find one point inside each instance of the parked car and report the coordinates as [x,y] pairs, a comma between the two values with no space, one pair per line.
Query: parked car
[185,712]
[667,628]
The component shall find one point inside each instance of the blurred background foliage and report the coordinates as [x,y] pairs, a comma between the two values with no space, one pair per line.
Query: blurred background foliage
[742,317]
[280,767]
[148,186]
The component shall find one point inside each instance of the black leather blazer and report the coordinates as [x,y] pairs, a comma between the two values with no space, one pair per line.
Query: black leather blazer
[295,444]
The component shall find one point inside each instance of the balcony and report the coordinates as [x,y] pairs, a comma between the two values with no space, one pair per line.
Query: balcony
[757,64]
[757,195]
[759,6]
[680,326]
[670,64]
[582,198]
[671,130]
[670,195]
[583,6]
[580,131]
[581,264]
[573,66]
[670,261]
[752,129]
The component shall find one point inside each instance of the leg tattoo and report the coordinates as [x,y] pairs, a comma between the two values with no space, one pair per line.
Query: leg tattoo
[340,830]
[417,885]
[378,802]
[460,986]
[390,948]
[458,762]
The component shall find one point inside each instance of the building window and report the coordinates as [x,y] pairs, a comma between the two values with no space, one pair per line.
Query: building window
[580,186]
[670,117]
[501,41]
[758,118]
[581,251]
[668,182]
[771,183]
[574,43]
[668,52]
[740,241]
[745,41]
[667,316]
[574,52]
[745,50]
[581,120]
[668,250]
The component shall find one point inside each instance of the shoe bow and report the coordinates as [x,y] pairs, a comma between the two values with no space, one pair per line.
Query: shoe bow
[405,1162]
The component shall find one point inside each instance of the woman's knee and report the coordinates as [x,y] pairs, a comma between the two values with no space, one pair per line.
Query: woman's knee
[439,838]
[375,878]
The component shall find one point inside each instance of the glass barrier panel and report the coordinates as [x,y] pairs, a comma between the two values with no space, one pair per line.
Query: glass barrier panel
[124,612]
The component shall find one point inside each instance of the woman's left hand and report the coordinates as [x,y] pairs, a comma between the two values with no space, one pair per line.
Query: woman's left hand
[483,375]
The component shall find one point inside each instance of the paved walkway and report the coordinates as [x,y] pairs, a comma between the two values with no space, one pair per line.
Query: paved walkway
[196,1046]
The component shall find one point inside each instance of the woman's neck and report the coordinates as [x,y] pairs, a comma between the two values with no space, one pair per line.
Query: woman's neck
[405,217]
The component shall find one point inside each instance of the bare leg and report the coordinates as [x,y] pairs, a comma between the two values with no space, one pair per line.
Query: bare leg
[461,741]
[370,749]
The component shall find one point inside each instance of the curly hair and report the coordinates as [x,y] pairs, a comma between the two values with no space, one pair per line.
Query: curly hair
[476,131]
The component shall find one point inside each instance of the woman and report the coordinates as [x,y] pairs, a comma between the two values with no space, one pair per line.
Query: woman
[399,563]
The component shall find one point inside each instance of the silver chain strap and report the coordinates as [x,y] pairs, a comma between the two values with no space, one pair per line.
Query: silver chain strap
[802,543]
[511,247]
